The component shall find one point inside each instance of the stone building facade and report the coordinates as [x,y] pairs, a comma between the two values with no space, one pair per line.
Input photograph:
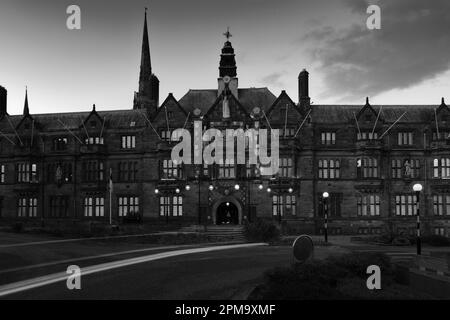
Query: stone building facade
[57,167]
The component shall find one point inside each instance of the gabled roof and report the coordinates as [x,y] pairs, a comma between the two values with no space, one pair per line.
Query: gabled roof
[71,120]
[93,113]
[368,108]
[170,98]
[232,99]
[344,113]
[283,95]
[249,98]
[443,107]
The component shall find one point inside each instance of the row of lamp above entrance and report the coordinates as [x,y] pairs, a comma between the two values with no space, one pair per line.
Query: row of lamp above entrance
[236,187]
[211,187]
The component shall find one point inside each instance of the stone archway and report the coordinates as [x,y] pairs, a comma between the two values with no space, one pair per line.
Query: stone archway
[227,214]
[221,203]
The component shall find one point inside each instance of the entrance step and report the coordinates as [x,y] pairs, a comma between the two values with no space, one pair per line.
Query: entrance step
[232,232]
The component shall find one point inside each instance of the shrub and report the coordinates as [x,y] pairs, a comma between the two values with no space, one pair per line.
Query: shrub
[357,263]
[386,238]
[436,240]
[17,227]
[401,241]
[341,277]
[261,230]
[312,280]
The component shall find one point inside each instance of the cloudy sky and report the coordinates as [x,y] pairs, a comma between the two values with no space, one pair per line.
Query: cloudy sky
[406,62]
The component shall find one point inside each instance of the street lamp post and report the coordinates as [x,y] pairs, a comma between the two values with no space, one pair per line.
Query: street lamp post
[325,196]
[417,189]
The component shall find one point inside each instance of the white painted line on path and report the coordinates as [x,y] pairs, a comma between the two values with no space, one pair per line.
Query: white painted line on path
[62,276]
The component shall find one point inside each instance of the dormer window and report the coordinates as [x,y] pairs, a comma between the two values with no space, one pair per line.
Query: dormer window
[93,124]
[367,135]
[59,144]
[405,138]
[128,142]
[94,140]
[166,135]
[328,138]
[288,133]
[443,135]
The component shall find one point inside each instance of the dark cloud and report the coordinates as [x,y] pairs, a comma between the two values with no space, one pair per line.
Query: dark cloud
[412,46]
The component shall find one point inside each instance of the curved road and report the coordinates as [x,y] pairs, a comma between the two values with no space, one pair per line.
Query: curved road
[226,274]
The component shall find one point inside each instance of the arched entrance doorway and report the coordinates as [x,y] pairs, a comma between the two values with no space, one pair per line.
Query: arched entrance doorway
[227,214]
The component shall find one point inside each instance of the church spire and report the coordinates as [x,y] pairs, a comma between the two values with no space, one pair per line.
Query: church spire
[26,110]
[148,95]
[146,64]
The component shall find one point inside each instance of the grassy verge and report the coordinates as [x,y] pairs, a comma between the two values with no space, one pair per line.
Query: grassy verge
[341,277]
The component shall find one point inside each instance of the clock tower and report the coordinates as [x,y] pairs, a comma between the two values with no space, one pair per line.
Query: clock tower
[227,68]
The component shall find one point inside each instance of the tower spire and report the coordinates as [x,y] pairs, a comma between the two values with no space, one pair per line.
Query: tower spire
[26,109]
[148,95]
[146,64]
[227,66]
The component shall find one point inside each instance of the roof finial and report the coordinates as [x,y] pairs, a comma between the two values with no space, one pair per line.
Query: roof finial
[367,100]
[93,107]
[227,34]
[443,100]
[26,109]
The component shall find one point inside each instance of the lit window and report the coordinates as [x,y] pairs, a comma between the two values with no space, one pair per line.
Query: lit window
[367,135]
[368,205]
[405,138]
[2,173]
[169,170]
[27,207]
[94,140]
[171,206]
[441,168]
[328,138]
[227,169]
[286,167]
[128,142]
[367,167]
[27,172]
[128,206]
[329,169]
[441,204]
[94,206]
[405,205]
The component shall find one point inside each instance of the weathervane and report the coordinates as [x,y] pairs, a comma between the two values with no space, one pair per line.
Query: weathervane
[227,34]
